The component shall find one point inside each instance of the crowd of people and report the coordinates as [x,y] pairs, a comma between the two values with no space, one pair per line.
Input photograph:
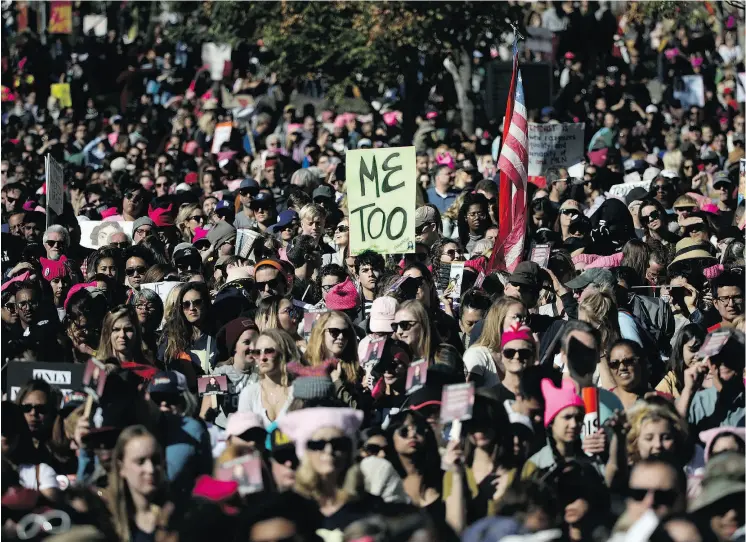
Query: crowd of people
[254,377]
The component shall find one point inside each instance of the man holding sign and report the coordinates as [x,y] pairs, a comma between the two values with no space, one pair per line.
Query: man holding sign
[381,190]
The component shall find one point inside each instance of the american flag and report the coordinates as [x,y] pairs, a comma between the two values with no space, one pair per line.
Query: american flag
[513,166]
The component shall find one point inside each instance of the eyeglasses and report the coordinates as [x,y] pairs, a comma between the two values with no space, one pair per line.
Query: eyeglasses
[266,352]
[404,325]
[52,243]
[327,287]
[290,311]
[661,497]
[627,362]
[374,449]
[523,353]
[476,215]
[655,215]
[132,271]
[286,455]
[197,218]
[188,305]
[39,409]
[145,307]
[335,332]
[727,299]
[338,445]
[342,228]
[10,307]
[272,284]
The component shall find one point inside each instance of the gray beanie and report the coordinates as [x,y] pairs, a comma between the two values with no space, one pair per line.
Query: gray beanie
[311,382]
[221,234]
[142,221]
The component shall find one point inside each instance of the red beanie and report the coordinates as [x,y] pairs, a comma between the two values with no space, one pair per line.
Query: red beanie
[343,297]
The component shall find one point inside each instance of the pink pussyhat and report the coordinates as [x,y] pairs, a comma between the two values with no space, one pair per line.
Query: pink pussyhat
[517,333]
[558,399]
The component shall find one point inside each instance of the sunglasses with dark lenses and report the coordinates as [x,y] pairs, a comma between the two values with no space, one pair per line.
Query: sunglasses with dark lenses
[171,399]
[342,228]
[411,430]
[10,306]
[335,332]
[404,325]
[523,353]
[661,497]
[197,218]
[570,212]
[130,271]
[40,409]
[187,305]
[374,449]
[627,362]
[120,244]
[683,209]
[452,253]
[419,229]
[133,196]
[272,284]
[655,215]
[286,455]
[248,192]
[260,207]
[665,187]
[338,445]
[266,352]
[52,243]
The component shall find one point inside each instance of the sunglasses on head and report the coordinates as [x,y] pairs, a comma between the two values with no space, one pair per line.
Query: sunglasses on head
[338,445]
[523,353]
[286,455]
[40,409]
[661,497]
[256,352]
[655,215]
[404,325]
[196,303]
[131,271]
[335,332]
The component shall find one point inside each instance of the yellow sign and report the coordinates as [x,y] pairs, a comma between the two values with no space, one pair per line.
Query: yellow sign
[381,193]
[60,18]
[61,91]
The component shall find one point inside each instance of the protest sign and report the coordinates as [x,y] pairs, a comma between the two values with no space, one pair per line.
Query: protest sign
[60,17]
[212,385]
[554,145]
[741,87]
[214,56]
[61,91]
[741,180]
[96,233]
[162,288]
[373,355]
[94,379]
[222,135]
[98,23]
[66,377]
[621,190]
[416,376]
[245,242]
[381,192]
[246,470]
[457,402]
[690,90]
[455,278]
[540,255]
[55,177]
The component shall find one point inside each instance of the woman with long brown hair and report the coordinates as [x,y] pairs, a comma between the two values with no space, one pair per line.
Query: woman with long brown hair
[136,484]
[121,338]
[412,326]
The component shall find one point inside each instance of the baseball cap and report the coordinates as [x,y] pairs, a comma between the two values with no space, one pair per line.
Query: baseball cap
[168,382]
[248,183]
[285,218]
[240,422]
[323,191]
[186,253]
[602,277]
[636,194]
[526,273]
[382,314]
[425,215]
[262,199]
[721,177]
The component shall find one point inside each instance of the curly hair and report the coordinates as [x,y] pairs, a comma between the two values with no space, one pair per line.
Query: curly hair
[643,412]
[436,251]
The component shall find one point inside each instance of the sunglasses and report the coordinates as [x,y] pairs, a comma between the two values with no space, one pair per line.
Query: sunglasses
[196,304]
[404,325]
[24,305]
[570,212]
[260,207]
[338,445]
[342,228]
[291,226]
[161,185]
[286,455]
[335,332]
[272,284]
[248,192]
[133,196]
[627,362]
[171,399]
[452,253]
[52,243]
[523,353]
[121,244]
[655,215]
[139,270]
[665,187]
[10,307]
[197,218]
[411,430]
[418,230]
[683,209]
[266,352]
[40,409]
[374,449]
[661,497]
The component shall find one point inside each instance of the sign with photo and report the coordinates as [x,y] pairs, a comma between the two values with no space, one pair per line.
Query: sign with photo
[212,385]
[246,470]
[540,255]
[457,402]
[416,375]
[95,233]
[94,379]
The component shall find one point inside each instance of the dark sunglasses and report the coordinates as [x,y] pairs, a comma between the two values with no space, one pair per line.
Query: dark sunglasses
[133,196]
[248,192]
[197,218]
[655,215]
[120,244]
[683,209]
[452,253]
[419,229]
[291,226]
[570,212]
[338,444]
[272,284]
[661,497]
[266,352]
[404,325]
[130,271]
[627,362]
[663,187]
[171,399]
[406,430]
[260,207]
[187,305]
[52,243]
[40,409]
[162,185]
[335,332]
[10,306]
[286,455]
[523,353]
[374,449]
[342,228]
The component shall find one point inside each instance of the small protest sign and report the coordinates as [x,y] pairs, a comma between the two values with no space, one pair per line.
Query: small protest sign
[480,280]
[66,377]
[95,233]
[212,385]
[540,255]
[554,145]
[94,378]
[713,344]
[60,17]
[457,402]
[98,23]
[381,190]
[245,242]
[214,56]
[61,91]
[221,135]
[162,288]
[444,276]
[416,376]
[690,90]
[621,190]
[455,279]
[246,470]
[55,178]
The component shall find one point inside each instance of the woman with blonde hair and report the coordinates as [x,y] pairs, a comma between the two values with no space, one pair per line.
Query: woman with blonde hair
[413,327]
[275,312]
[482,360]
[121,338]
[272,394]
[171,299]
[136,484]
[599,309]
[190,218]
[333,338]
[656,429]
[450,217]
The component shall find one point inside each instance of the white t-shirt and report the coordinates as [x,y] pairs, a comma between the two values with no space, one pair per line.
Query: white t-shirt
[250,400]
[47,477]
[478,360]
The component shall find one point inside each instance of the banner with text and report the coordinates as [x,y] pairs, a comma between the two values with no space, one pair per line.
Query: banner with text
[554,145]
[64,376]
[381,191]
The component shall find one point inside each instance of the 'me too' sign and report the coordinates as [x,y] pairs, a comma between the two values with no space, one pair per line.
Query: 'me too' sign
[381,193]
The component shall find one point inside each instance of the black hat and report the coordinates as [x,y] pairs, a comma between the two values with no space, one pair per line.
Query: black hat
[526,273]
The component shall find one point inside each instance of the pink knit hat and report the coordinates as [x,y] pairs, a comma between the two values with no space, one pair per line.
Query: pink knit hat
[300,425]
[343,297]
[517,333]
[53,269]
[558,399]
[708,437]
